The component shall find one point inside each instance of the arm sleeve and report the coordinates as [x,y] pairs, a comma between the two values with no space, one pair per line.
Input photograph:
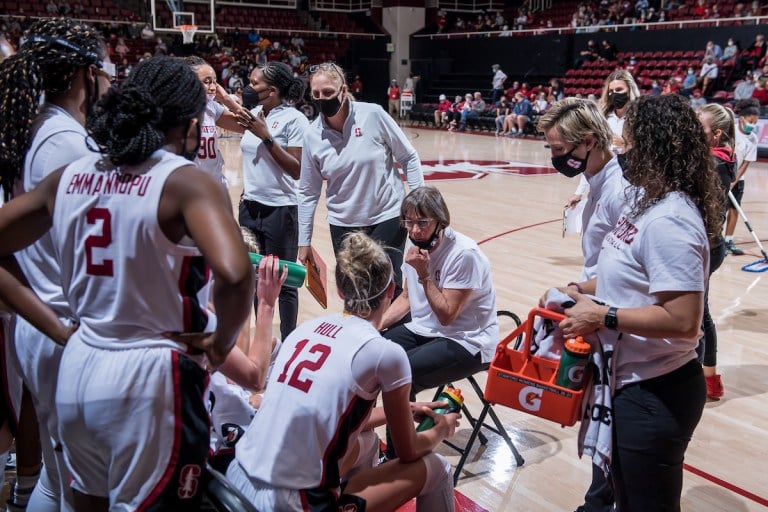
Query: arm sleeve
[402,150]
[310,185]
[381,363]
[677,262]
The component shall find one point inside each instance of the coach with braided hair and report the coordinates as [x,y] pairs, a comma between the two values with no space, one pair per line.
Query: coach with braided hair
[134,228]
[271,148]
[65,62]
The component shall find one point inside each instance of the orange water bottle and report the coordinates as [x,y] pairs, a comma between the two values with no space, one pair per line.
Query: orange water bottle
[573,364]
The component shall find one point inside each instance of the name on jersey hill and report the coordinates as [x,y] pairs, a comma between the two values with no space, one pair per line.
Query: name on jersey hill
[108,184]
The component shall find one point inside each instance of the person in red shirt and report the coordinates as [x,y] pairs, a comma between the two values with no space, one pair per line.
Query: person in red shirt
[393,93]
[442,110]
[761,91]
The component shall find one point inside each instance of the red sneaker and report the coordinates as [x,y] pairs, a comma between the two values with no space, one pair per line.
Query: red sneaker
[715,388]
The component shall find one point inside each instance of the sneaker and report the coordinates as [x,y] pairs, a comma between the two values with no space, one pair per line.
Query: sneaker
[731,248]
[715,389]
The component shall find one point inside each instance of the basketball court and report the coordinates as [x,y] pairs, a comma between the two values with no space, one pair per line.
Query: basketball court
[504,194]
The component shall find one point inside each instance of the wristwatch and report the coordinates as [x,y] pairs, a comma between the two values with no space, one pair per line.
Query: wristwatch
[268,141]
[610,320]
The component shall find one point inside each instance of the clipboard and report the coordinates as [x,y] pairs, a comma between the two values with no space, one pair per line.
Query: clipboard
[317,277]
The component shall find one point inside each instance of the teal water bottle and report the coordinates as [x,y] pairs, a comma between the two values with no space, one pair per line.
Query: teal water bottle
[297,273]
[455,401]
[573,364]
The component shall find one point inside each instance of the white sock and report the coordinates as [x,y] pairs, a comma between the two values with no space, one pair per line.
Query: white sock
[437,493]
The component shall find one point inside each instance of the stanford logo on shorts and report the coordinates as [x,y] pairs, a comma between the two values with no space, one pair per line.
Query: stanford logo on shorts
[358,132]
[188,479]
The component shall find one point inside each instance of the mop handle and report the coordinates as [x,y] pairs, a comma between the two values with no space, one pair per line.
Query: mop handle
[736,205]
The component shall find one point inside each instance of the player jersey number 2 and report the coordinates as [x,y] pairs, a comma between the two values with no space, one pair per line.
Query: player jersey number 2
[309,361]
[207,148]
[100,240]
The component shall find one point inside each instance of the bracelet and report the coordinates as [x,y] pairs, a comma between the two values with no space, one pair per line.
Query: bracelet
[577,285]
[424,279]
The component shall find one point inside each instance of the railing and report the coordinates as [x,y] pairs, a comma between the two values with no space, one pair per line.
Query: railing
[474,6]
[339,5]
[720,22]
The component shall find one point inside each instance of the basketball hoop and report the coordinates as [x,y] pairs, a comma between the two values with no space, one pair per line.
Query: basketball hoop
[188,33]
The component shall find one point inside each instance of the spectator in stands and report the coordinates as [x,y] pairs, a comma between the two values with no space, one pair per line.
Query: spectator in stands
[393,95]
[697,99]
[555,89]
[708,74]
[147,34]
[760,93]
[357,87]
[460,25]
[512,90]
[541,104]
[124,69]
[588,54]
[442,21]
[500,20]
[497,83]
[713,50]
[51,8]
[752,55]
[502,111]
[78,9]
[690,83]
[672,86]
[472,110]
[730,52]
[522,113]
[453,115]
[608,51]
[443,107]
[121,49]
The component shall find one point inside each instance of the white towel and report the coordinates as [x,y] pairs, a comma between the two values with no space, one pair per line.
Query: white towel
[547,340]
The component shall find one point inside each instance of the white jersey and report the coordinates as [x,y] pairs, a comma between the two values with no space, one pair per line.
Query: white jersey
[458,263]
[263,178]
[209,156]
[126,282]
[363,185]
[325,382]
[663,250]
[58,139]
[606,201]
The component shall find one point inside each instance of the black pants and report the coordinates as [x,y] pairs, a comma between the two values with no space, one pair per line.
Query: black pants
[276,229]
[390,233]
[434,362]
[653,423]
[707,349]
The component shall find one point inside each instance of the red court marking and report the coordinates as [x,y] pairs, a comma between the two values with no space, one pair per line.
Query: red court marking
[462,504]
[722,483]
[696,471]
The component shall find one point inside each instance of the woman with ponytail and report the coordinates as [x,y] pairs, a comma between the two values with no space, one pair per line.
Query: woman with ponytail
[139,231]
[271,149]
[312,446]
[48,90]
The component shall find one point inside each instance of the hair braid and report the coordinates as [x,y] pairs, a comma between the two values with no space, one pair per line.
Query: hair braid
[280,75]
[43,64]
[131,122]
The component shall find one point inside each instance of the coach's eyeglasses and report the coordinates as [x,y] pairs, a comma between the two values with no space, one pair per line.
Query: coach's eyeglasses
[420,223]
[325,66]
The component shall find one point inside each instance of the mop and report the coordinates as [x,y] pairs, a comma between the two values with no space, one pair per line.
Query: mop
[759,265]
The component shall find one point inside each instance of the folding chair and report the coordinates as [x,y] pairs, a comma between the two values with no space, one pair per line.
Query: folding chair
[479,421]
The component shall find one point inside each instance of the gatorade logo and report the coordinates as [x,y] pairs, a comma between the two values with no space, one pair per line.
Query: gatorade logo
[530,398]
[576,374]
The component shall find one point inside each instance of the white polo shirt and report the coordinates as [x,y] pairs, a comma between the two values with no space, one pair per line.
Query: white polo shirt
[746,147]
[363,185]
[263,178]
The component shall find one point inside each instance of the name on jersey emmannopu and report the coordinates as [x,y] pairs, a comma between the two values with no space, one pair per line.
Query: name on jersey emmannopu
[108,184]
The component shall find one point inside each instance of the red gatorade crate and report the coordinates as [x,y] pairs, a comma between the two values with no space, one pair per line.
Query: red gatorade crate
[525,382]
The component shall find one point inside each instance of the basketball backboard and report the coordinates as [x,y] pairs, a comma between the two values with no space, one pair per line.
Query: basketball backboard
[167,15]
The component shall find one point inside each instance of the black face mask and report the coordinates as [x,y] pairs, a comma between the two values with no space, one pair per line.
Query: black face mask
[252,97]
[191,154]
[329,107]
[429,243]
[619,99]
[569,165]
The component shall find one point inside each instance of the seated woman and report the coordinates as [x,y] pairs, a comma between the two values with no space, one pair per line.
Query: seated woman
[449,292]
[311,445]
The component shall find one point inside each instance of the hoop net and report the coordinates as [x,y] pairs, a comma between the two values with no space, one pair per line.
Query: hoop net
[188,33]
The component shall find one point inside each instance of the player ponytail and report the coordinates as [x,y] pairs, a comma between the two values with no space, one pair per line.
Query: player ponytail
[131,122]
[53,51]
[363,274]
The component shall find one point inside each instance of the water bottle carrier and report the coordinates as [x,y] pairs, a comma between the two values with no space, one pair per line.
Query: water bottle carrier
[523,381]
